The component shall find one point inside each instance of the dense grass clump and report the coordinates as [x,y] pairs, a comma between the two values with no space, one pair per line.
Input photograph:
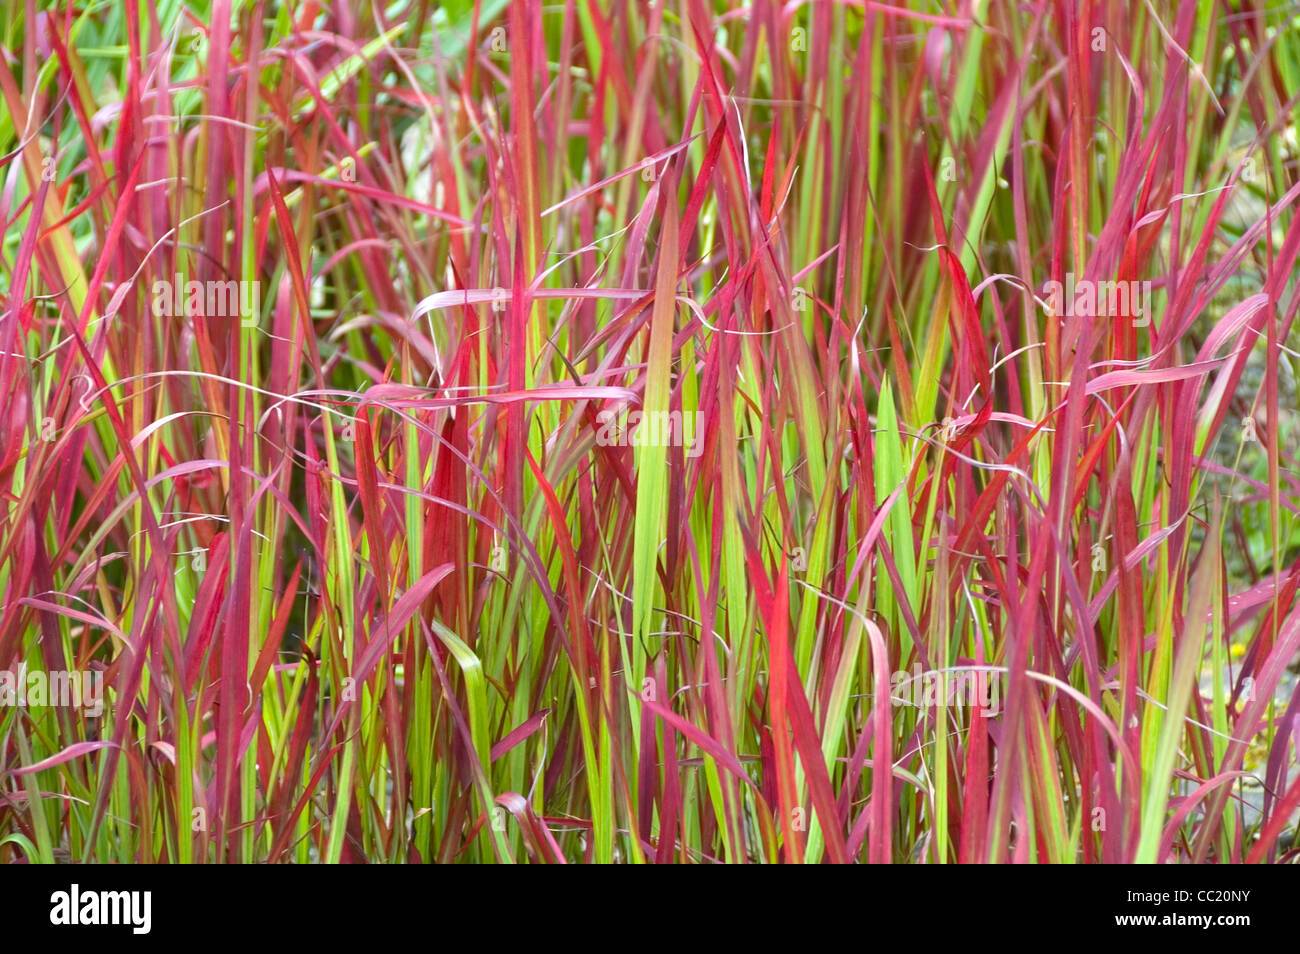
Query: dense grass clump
[649,431]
